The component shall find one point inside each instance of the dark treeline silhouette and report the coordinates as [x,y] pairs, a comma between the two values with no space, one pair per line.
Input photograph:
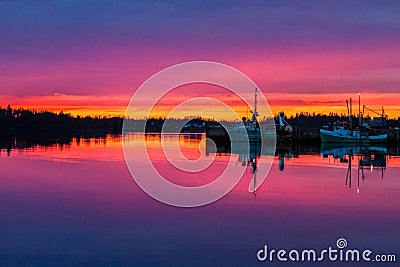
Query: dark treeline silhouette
[44,123]
[195,125]
[313,120]
[22,121]
[27,129]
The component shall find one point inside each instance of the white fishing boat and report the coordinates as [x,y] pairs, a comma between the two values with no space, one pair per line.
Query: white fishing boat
[344,132]
[238,133]
[339,134]
[251,126]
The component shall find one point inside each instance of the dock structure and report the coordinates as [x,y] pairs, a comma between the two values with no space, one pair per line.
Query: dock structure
[308,135]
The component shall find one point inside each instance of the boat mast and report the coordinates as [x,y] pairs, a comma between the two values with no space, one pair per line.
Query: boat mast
[255,113]
[348,104]
[351,114]
[359,111]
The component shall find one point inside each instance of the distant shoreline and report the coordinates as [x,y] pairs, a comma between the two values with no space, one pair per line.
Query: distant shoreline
[26,123]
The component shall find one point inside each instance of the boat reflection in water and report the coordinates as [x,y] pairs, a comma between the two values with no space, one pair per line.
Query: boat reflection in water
[366,157]
[247,156]
[358,157]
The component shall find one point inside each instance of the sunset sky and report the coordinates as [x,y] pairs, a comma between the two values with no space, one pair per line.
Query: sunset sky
[89,57]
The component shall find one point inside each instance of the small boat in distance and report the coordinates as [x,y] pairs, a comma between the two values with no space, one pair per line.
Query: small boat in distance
[344,132]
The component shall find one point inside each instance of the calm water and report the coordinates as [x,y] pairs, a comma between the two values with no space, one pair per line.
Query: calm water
[75,204]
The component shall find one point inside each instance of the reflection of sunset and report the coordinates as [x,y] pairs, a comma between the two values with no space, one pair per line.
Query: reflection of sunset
[90,149]
[94,148]
[190,149]
[304,179]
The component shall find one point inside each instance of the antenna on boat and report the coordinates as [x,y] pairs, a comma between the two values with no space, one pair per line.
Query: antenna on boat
[255,113]
[359,111]
[255,101]
[351,114]
[349,105]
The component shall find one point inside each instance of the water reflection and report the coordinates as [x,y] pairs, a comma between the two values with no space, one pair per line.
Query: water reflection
[358,159]
[372,157]
[358,156]
[59,142]
[247,156]
[80,190]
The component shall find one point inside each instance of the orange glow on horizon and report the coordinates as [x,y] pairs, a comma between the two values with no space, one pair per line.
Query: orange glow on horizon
[115,105]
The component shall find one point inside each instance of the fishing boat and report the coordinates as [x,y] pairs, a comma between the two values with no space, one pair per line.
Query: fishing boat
[341,134]
[344,132]
[236,133]
[251,126]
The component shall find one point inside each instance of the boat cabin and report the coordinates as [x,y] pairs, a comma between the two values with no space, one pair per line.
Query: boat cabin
[374,122]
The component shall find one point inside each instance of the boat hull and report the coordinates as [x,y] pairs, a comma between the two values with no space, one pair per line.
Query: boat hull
[332,137]
[252,135]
